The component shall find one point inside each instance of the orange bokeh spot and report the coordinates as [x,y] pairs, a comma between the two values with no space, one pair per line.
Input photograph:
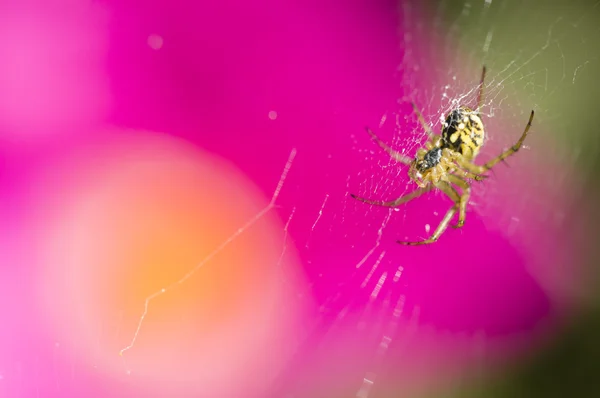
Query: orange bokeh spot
[146,214]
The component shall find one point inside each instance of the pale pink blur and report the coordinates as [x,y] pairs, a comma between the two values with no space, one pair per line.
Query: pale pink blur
[52,74]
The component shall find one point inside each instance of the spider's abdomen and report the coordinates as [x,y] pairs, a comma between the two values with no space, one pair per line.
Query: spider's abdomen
[463,132]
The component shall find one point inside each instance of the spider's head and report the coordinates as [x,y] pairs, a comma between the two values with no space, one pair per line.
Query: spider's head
[422,166]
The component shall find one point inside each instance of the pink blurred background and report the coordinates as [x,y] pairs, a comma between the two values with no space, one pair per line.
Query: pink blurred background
[137,137]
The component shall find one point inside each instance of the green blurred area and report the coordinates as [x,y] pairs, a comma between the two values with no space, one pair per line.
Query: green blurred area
[555,47]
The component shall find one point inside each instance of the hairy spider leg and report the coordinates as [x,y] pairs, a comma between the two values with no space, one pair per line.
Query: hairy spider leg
[451,192]
[476,177]
[397,156]
[427,128]
[464,198]
[480,95]
[476,169]
[458,159]
[395,203]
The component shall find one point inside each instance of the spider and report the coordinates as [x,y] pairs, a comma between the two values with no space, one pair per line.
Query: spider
[446,162]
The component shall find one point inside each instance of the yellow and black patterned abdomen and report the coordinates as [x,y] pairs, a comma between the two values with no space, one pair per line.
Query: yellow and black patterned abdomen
[463,132]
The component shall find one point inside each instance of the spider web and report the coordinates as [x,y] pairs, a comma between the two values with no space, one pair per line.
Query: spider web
[541,65]
[388,319]
[532,75]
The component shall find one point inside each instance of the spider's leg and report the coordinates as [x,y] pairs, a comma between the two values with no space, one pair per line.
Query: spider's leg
[469,169]
[480,95]
[422,121]
[395,203]
[473,176]
[464,198]
[452,194]
[397,156]
[510,151]
[473,168]
[440,229]
[461,166]
[449,190]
